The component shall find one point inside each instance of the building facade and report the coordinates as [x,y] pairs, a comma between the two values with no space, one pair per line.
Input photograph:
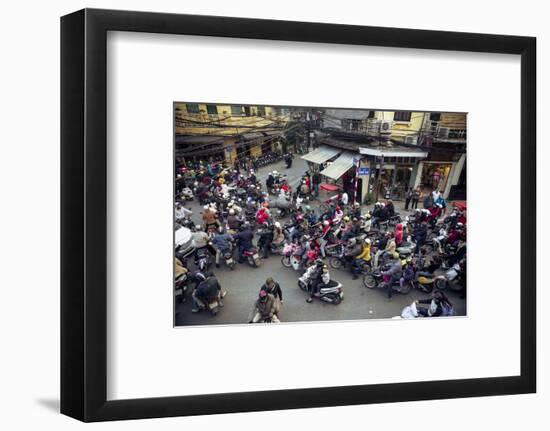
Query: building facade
[226,132]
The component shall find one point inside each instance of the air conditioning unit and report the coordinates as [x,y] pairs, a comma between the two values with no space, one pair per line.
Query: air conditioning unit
[443,132]
[385,126]
[411,140]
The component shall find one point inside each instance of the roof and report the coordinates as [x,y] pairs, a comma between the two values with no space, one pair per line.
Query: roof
[321,154]
[395,150]
[197,139]
[340,166]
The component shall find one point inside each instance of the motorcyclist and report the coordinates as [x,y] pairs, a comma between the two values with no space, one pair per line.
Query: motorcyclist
[209,218]
[244,240]
[200,239]
[278,234]
[392,274]
[319,279]
[208,290]
[270,180]
[265,308]
[352,250]
[263,215]
[181,212]
[361,259]
[222,242]
[233,221]
[265,238]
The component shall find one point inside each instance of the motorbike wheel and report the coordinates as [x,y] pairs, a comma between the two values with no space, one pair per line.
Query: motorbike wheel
[285,261]
[257,262]
[335,262]
[369,281]
[406,288]
[232,266]
[337,300]
[440,283]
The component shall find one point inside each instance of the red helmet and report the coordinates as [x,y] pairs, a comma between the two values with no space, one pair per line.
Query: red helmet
[300,217]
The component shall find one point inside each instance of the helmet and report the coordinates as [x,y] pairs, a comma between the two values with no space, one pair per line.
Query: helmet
[206,207]
[346,218]
[275,172]
[319,262]
[439,205]
[460,224]
[367,240]
[326,223]
[352,241]
[198,227]
[231,211]
[277,225]
[220,229]
[368,215]
[308,208]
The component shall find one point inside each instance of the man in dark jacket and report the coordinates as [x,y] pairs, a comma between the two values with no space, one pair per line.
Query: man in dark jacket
[206,291]
[273,288]
[316,181]
[244,239]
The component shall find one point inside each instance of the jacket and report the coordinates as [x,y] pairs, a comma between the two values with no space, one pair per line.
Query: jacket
[365,254]
[208,217]
[245,238]
[208,289]
[222,241]
[266,308]
[398,234]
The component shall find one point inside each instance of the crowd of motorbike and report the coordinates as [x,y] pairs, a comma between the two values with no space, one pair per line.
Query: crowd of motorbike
[244,221]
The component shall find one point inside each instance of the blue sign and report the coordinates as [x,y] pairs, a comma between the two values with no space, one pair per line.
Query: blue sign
[364,171]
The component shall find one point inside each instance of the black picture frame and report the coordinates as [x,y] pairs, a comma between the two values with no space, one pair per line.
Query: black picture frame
[84,214]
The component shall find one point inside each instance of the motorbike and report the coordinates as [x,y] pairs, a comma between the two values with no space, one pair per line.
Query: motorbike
[187,194]
[374,279]
[252,257]
[180,287]
[213,304]
[452,278]
[332,293]
[203,259]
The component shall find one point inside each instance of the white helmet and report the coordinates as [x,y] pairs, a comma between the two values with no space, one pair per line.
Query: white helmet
[206,207]
[231,211]
[367,240]
[326,223]
[277,225]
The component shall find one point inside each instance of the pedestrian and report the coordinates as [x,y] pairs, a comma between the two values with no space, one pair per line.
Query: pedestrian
[415,198]
[408,197]
[273,288]
[316,181]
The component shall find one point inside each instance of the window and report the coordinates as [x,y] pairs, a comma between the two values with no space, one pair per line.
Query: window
[236,110]
[402,116]
[435,116]
[212,109]
[192,108]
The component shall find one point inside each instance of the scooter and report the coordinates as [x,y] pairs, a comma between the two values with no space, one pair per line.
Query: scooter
[187,194]
[213,304]
[252,257]
[202,259]
[180,287]
[332,293]
[452,278]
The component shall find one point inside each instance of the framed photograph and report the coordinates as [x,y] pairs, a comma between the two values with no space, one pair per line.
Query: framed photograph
[262,215]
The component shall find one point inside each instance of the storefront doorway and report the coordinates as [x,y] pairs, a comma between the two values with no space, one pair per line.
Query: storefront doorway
[435,176]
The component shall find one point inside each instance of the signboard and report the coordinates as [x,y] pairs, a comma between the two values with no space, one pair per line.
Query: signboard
[364,171]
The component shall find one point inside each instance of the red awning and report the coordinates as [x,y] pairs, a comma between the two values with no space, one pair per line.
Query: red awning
[329,187]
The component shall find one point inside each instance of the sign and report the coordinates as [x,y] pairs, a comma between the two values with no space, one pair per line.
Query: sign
[364,171]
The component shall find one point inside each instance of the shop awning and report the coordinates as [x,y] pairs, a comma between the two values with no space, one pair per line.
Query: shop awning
[340,166]
[321,154]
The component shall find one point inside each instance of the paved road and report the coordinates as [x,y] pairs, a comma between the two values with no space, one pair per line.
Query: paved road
[244,282]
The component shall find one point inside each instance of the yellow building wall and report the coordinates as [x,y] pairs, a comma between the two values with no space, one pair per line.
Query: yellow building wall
[225,117]
[403,128]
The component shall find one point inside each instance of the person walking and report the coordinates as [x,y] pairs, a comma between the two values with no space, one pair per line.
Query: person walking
[408,198]
[415,198]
